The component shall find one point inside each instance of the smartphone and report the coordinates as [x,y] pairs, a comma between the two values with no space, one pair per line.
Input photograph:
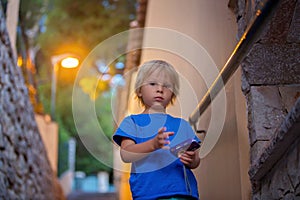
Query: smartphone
[187,145]
[194,146]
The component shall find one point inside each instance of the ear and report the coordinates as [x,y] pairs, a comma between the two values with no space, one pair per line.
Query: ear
[173,98]
[139,93]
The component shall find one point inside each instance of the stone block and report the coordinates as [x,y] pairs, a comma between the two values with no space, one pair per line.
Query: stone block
[256,196]
[280,184]
[293,165]
[285,139]
[266,112]
[273,64]
[257,150]
[279,28]
[289,94]
[2,146]
[294,30]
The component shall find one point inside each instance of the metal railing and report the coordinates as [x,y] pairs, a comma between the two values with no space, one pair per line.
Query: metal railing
[250,36]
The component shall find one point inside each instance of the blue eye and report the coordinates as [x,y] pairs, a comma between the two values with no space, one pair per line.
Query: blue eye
[152,83]
[166,85]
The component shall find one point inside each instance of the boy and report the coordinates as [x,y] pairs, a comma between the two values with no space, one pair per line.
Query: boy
[146,139]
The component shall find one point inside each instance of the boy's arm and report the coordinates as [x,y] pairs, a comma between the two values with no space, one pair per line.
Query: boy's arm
[130,151]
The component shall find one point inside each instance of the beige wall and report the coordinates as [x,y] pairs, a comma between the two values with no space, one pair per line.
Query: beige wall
[198,37]
[49,133]
[12,15]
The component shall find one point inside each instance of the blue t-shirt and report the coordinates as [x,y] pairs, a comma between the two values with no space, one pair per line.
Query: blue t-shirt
[159,174]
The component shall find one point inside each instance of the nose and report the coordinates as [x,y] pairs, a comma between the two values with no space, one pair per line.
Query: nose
[159,88]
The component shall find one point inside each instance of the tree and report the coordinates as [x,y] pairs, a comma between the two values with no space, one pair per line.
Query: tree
[83,24]
[104,149]
[30,13]
[76,26]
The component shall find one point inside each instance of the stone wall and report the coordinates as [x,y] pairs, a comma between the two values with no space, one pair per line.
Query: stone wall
[25,172]
[271,84]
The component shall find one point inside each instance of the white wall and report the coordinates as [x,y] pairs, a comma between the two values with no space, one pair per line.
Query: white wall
[49,133]
[197,37]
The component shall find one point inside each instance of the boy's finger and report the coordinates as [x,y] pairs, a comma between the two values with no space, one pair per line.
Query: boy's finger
[190,153]
[170,133]
[167,134]
[161,130]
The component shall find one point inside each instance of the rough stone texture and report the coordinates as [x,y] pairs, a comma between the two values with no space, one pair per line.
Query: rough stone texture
[284,27]
[25,172]
[289,95]
[283,181]
[271,84]
[266,112]
[285,139]
[294,30]
[273,64]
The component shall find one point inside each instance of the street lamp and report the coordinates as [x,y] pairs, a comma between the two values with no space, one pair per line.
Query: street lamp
[70,62]
[65,61]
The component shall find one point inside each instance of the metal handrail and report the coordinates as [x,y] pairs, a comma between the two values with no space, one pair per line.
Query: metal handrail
[250,36]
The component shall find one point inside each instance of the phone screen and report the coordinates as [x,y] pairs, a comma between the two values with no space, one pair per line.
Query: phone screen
[188,145]
[194,146]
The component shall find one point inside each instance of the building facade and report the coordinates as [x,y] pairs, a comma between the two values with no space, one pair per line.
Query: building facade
[243,122]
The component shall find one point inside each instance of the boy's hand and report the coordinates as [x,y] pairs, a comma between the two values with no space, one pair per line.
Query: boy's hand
[190,159]
[162,139]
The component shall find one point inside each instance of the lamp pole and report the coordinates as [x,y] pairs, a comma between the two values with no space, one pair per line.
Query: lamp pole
[63,60]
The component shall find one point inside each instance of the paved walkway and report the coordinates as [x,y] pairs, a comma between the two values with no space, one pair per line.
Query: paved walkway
[91,196]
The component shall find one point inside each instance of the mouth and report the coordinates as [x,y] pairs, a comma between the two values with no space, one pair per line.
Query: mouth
[159,99]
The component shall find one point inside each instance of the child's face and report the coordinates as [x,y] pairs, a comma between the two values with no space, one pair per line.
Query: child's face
[156,91]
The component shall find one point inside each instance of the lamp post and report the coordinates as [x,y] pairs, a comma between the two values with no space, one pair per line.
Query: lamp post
[65,61]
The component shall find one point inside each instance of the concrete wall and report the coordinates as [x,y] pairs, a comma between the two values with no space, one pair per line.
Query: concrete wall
[49,133]
[197,37]
[222,173]
[25,171]
[263,121]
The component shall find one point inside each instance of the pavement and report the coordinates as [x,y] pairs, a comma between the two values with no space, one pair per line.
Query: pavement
[78,195]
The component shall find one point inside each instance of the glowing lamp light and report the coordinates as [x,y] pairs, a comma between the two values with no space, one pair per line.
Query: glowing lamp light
[20,61]
[70,62]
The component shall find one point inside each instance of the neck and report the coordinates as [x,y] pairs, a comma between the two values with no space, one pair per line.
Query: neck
[154,110]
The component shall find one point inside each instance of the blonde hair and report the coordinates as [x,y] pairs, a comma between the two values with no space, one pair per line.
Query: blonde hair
[159,66]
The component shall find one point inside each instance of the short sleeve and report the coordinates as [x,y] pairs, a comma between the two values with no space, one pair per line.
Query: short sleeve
[126,129]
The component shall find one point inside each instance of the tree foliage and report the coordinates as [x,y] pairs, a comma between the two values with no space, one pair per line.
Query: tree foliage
[77,26]
[74,25]
[50,27]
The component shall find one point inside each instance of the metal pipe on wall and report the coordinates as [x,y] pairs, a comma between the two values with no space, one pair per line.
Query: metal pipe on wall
[250,36]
